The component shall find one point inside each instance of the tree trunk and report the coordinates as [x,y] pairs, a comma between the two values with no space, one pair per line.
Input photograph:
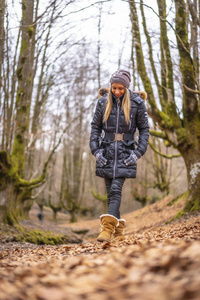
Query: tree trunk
[192,162]
[24,90]
[7,208]
[190,149]
[73,217]
[182,131]
[16,195]
[41,95]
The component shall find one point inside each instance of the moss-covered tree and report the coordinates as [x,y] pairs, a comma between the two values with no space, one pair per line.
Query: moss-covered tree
[179,129]
[12,166]
[20,66]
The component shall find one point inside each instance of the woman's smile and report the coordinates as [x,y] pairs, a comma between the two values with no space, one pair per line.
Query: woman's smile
[117,89]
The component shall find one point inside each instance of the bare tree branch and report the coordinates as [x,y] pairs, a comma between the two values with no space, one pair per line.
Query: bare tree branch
[41,179]
[191,90]
[165,20]
[163,154]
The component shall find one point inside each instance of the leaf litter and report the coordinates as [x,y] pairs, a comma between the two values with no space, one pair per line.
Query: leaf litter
[155,261]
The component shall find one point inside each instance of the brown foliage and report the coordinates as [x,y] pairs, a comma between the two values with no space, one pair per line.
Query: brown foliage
[156,261]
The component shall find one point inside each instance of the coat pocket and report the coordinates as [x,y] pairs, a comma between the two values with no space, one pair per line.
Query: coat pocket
[109,152]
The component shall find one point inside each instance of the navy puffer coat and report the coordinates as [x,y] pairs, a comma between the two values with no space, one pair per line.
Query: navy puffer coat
[117,151]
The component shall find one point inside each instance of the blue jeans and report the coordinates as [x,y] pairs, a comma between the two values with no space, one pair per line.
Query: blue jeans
[114,195]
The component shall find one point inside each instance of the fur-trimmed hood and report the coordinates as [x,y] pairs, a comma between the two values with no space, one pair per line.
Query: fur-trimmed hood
[104,90]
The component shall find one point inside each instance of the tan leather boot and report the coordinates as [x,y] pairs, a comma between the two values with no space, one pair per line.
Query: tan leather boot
[108,225]
[120,230]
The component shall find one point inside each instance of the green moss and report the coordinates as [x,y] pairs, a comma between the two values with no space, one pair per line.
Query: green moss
[24,47]
[30,184]
[178,198]
[19,233]
[7,170]
[182,136]
[42,237]
[167,143]
[20,228]
[38,237]
[166,122]
[18,152]
[19,74]
[23,5]
[18,96]
[3,183]
[182,212]
[175,121]
[179,215]
[192,205]
[24,108]
[29,79]
[30,31]
[9,219]
[23,59]
[12,172]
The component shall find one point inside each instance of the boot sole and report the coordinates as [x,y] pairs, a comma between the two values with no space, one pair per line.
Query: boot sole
[118,239]
[102,240]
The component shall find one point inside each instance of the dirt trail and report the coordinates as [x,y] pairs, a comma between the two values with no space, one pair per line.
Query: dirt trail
[156,261]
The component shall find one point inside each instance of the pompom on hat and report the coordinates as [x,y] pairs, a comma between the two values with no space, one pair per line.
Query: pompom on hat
[121,76]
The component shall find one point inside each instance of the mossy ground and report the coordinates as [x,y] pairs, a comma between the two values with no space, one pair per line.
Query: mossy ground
[181,213]
[34,236]
[39,237]
[178,198]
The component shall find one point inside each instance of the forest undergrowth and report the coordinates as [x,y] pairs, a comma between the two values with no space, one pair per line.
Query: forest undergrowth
[157,260]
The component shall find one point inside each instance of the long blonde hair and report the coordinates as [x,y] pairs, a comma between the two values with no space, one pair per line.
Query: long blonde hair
[126,104]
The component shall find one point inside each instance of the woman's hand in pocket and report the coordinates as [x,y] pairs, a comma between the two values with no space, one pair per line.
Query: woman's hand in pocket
[101,160]
[132,159]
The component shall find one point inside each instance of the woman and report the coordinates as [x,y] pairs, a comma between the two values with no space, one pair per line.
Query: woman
[116,118]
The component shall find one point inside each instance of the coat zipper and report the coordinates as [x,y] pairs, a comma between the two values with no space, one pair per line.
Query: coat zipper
[130,121]
[116,131]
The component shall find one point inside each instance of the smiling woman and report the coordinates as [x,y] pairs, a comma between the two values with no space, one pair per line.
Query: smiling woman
[118,89]
[117,115]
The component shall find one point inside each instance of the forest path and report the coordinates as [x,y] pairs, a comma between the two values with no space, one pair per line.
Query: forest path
[156,261]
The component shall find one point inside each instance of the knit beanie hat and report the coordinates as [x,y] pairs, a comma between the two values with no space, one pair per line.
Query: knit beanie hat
[121,76]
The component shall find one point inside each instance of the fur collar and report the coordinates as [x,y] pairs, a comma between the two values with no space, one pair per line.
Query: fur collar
[104,91]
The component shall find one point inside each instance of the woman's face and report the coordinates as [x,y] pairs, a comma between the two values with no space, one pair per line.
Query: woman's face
[117,89]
